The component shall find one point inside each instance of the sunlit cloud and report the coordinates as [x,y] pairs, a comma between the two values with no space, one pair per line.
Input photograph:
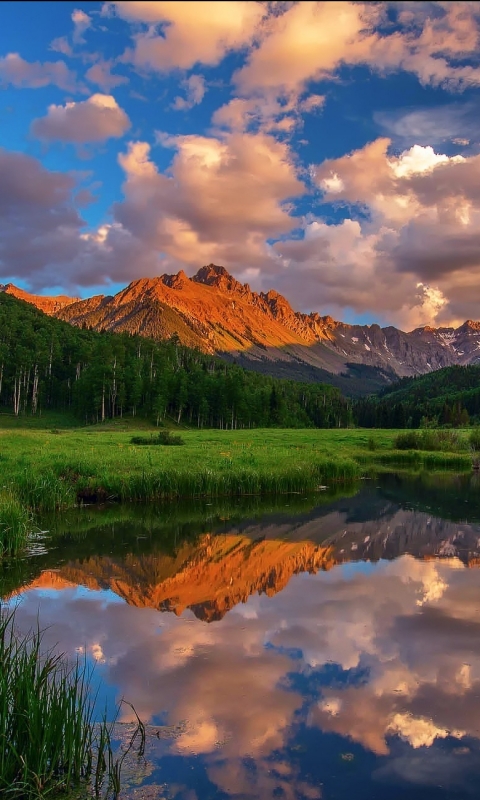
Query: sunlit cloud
[93,120]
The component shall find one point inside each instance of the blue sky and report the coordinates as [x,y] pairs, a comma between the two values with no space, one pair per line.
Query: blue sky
[327,150]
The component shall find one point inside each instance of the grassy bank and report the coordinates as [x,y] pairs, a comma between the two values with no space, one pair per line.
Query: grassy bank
[55,468]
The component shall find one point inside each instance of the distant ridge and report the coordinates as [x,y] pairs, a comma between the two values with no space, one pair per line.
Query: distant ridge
[50,305]
[218,314]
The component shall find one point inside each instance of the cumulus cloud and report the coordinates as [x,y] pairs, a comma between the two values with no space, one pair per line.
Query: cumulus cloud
[307,41]
[412,248]
[39,224]
[15,71]
[194,90]
[191,33]
[311,40]
[43,237]
[220,200]
[93,120]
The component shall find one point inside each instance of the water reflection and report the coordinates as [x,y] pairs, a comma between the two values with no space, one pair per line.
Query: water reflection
[361,680]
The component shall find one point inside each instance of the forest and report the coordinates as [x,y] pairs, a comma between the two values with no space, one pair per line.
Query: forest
[448,397]
[47,364]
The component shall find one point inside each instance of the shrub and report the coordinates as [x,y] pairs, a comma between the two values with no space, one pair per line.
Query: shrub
[474,439]
[428,439]
[163,437]
[406,441]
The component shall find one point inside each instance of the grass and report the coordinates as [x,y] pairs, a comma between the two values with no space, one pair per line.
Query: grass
[55,468]
[15,522]
[50,744]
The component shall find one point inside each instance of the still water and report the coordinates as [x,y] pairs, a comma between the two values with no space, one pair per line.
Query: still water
[324,647]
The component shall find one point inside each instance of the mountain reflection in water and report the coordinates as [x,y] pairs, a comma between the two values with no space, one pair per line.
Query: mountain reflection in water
[359,681]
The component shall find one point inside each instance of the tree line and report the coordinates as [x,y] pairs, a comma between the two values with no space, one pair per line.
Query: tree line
[47,364]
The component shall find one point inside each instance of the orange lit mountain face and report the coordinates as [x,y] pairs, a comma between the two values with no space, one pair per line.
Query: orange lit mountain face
[49,305]
[218,572]
[216,313]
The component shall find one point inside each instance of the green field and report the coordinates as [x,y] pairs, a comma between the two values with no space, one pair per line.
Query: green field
[50,466]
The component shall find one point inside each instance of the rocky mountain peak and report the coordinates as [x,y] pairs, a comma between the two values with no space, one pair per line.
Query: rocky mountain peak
[279,306]
[470,324]
[215,275]
[177,281]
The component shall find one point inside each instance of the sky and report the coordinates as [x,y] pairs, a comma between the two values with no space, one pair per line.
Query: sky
[327,150]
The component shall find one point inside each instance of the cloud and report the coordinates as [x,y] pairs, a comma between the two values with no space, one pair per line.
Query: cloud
[100,74]
[38,221]
[43,238]
[312,40]
[308,41]
[61,45]
[81,21]
[93,120]
[192,33]
[195,91]
[455,123]
[267,113]
[220,199]
[409,244]
[15,71]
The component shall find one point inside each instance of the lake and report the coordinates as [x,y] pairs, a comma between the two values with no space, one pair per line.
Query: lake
[304,647]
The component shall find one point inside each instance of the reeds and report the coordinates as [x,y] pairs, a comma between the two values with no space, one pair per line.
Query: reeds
[226,480]
[15,522]
[50,743]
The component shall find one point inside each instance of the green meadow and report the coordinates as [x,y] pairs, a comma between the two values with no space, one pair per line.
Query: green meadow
[47,465]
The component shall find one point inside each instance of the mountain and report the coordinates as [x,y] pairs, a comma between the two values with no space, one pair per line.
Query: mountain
[261,331]
[49,305]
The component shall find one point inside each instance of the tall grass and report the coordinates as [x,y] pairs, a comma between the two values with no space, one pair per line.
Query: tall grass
[439,440]
[49,741]
[228,480]
[15,522]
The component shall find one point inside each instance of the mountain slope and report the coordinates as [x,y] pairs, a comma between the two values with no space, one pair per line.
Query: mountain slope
[216,313]
[448,396]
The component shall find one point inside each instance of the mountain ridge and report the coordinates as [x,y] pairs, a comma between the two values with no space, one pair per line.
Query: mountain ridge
[219,315]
